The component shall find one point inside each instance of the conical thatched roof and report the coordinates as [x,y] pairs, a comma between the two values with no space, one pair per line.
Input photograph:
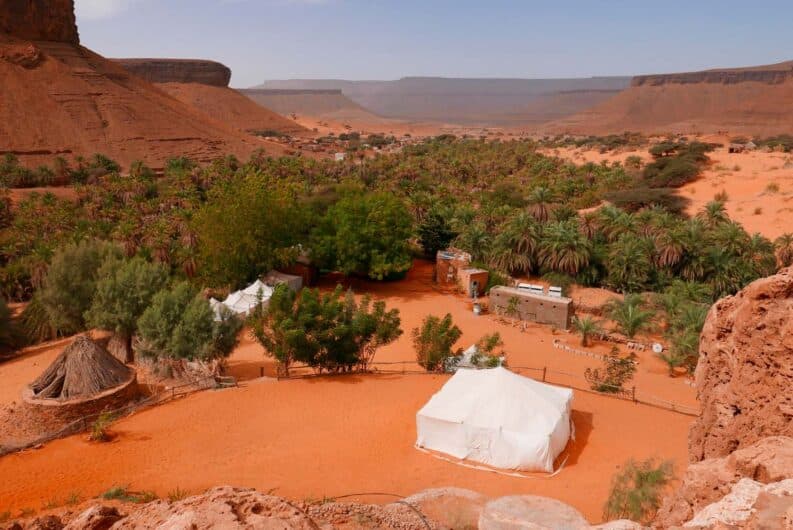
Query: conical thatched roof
[83,369]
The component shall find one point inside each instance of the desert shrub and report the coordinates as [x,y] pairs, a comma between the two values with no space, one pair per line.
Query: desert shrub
[633,200]
[636,490]
[634,162]
[489,351]
[365,234]
[100,426]
[180,324]
[614,373]
[124,289]
[676,164]
[434,341]
[332,332]
[177,494]
[721,196]
[772,187]
[630,314]
[70,283]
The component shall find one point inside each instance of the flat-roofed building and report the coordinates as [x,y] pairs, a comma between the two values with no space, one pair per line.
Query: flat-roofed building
[532,305]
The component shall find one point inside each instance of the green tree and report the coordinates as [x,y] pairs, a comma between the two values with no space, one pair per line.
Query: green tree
[180,324]
[364,234]
[586,327]
[124,290]
[783,248]
[630,315]
[435,233]
[434,341]
[248,225]
[636,490]
[564,249]
[71,282]
[333,331]
[630,265]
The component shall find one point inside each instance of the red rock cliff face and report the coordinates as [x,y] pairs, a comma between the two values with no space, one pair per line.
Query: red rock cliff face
[745,372]
[50,20]
[178,71]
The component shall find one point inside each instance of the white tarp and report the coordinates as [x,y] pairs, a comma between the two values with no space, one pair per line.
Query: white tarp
[498,418]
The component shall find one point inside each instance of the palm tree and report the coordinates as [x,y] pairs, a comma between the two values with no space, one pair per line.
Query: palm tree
[669,248]
[731,237]
[587,327]
[673,359]
[629,314]
[475,239]
[783,248]
[564,249]
[630,265]
[713,214]
[588,224]
[726,274]
[541,203]
[759,251]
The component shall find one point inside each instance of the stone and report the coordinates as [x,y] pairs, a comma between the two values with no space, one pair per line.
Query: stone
[530,512]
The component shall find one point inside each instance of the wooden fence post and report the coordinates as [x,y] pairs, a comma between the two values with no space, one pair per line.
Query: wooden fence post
[633,393]
[544,371]
[261,371]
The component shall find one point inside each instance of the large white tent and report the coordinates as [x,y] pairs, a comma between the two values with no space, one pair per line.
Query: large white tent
[498,418]
[258,293]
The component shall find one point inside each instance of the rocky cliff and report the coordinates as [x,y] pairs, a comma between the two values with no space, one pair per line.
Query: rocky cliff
[199,71]
[49,20]
[745,372]
[771,74]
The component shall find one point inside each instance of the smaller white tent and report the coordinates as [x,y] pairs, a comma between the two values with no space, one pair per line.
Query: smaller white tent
[498,418]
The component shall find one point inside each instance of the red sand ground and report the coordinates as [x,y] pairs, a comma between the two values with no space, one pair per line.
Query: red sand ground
[332,436]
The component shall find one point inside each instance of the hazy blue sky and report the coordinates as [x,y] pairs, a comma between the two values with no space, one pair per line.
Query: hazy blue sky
[388,39]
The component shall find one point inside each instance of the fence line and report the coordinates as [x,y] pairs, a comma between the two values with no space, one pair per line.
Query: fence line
[544,374]
[83,423]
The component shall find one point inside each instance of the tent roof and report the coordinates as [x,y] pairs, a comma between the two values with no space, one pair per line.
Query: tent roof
[83,369]
[499,399]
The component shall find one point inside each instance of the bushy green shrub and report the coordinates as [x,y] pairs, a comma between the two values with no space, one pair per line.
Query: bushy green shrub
[180,324]
[636,490]
[434,341]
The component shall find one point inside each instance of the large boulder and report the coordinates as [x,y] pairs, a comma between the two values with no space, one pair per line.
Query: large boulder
[450,507]
[767,461]
[530,512]
[745,371]
[47,20]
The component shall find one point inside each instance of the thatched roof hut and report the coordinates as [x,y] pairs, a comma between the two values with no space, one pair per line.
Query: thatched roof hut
[82,370]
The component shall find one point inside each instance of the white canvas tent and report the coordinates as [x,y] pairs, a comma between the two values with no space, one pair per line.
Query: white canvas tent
[498,418]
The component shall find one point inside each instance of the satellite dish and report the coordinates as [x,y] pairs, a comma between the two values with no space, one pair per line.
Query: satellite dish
[657,348]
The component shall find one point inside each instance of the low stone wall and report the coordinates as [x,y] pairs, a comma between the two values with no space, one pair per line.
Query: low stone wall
[55,413]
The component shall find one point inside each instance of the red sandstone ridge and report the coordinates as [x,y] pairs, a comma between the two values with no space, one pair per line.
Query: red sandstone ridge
[745,371]
[203,86]
[178,71]
[60,98]
[756,100]
[51,20]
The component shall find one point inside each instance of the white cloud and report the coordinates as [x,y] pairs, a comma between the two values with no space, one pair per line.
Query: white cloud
[99,9]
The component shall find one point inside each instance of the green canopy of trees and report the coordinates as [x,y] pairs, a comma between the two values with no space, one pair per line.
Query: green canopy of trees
[365,234]
[434,341]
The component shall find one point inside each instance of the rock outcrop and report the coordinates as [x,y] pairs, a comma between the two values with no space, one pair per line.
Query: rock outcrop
[749,504]
[48,20]
[241,508]
[199,71]
[767,461]
[745,371]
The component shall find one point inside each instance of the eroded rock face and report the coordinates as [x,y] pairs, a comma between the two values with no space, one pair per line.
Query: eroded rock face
[771,74]
[745,372]
[749,504]
[49,20]
[178,71]
[767,461]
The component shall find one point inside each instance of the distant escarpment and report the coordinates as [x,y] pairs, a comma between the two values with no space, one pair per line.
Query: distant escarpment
[754,101]
[199,71]
[772,74]
[49,20]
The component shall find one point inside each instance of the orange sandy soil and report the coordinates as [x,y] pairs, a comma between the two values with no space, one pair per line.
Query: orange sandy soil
[745,178]
[331,436]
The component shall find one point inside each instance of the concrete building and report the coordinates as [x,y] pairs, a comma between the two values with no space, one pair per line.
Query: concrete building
[533,306]
[453,269]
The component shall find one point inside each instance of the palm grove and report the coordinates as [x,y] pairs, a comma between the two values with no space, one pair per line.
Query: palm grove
[143,246]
